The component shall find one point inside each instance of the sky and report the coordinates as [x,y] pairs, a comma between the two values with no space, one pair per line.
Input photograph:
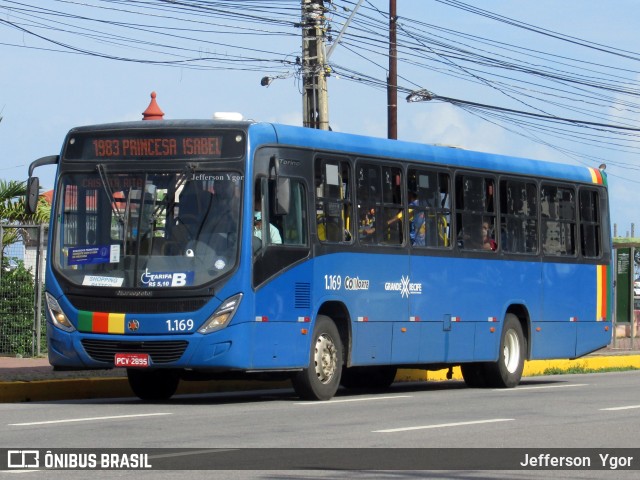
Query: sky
[45,90]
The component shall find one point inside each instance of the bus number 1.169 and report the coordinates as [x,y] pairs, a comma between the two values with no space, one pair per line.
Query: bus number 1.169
[332,282]
[179,325]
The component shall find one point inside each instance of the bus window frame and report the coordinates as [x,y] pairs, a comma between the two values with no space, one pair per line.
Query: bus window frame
[550,257]
[521,179]
[437,209]
[600,221]
[380,205]
[347,200]
[457,211]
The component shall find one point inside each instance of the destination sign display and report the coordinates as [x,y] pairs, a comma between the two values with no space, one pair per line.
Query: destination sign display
[157,147]
[156,144]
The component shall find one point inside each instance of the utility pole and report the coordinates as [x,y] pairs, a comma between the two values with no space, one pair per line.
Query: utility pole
[392,79]
[315,97]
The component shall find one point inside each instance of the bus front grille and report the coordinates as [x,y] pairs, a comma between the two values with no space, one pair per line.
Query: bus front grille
[161,351]
[136,305]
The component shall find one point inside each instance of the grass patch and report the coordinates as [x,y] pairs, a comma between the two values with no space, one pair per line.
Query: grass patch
[583,369]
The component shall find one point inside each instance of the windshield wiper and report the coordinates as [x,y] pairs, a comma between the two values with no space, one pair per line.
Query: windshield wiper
[107,189]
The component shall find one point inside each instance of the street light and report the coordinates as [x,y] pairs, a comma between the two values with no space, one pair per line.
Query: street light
[420,96]
[266,81]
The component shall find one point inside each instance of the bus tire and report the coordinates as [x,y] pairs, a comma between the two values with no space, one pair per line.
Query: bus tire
[153,385]
[320,380]
[474,374]
[507,371]
[374,378]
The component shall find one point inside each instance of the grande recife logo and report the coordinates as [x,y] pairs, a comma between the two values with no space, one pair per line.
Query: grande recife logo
[404,286]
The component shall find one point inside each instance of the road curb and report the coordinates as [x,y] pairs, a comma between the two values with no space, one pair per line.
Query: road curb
[87,388]
[533,367]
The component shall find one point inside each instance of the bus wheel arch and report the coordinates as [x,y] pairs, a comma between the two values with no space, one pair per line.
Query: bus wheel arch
[339,314]
[522,314]
[506,371]
[321,378]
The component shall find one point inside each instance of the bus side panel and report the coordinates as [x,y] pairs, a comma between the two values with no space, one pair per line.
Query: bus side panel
[455,345]
[283,316]
[553,340]
[278,345]
[432,344]
[487,341]
[592,336]
[462,299]
[569,299]
[371,343]
[371,287]
[406,342]
[458,343]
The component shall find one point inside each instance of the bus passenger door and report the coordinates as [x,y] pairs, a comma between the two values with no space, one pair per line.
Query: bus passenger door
[281,277]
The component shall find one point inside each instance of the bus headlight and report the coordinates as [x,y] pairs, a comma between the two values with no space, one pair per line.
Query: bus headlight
[222,316]
[58,317]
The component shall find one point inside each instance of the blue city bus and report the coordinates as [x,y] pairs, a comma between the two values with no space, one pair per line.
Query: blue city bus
[188,249]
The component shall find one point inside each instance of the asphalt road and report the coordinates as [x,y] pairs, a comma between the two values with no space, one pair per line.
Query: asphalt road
[598,411]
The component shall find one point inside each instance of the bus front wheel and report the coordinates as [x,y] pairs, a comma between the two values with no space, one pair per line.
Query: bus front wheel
[320,380]
[153,385]
[507,371]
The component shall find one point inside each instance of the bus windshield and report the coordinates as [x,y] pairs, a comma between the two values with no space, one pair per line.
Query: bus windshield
[146,230]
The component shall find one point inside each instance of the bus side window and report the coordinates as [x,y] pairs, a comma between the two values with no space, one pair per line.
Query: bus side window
[380,209]
[294,223]
[519,216]
[368,198]
[475,212]
[333,203]
[558,209]
[429,208]
[392,206]
[591,245]
[265,232]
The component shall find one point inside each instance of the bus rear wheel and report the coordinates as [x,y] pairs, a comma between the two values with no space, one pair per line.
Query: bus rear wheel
[507,371]
[153,385]
[320,380]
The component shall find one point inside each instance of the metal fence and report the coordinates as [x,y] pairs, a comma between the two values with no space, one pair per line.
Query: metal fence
[22,257]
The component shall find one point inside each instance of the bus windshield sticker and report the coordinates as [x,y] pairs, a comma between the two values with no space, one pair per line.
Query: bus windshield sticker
[102,281]
[89,255]
[166,279]
[333,177]
[114,256]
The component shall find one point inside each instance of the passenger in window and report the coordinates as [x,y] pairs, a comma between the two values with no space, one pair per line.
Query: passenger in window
[367,223]
[417,226]
[488,243]
[274,233]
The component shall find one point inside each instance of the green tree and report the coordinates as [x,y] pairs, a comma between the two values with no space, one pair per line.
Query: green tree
[17,291]
[17,286]
[13,211]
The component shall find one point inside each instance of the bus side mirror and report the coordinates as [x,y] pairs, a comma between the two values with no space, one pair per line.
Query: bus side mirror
[283,198]
[33,192]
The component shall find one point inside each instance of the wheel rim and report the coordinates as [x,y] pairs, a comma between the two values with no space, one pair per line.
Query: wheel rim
[325,358]
[511,351]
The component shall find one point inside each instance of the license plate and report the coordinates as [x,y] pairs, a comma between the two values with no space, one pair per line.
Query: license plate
[132,360]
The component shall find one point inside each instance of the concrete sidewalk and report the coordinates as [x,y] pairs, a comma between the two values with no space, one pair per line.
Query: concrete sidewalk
[33,379]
